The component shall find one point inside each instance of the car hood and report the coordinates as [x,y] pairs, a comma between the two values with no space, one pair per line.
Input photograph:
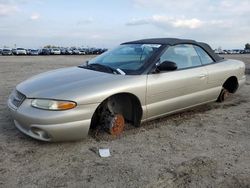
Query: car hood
[74,83]
[50,84]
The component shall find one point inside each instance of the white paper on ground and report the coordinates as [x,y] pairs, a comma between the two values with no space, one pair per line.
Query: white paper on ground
[104,152]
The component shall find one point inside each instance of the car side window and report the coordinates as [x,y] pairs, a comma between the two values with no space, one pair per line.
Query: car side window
[184,55]
[205,58]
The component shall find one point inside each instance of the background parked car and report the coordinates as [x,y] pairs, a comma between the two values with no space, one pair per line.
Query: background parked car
[75,51]
[1,51]
[55,51]
[82,51]
[45,51]
[69,52]
[104,50]
[91,50]
[241,51]
[28,51]
[247,51]
[19,51]
[34,52]
[96,51]
[7,51]
[63,51]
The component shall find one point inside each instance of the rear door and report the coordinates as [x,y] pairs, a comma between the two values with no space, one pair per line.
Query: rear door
[175,90]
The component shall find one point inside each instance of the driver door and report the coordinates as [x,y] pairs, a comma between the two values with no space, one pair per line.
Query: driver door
[171,91]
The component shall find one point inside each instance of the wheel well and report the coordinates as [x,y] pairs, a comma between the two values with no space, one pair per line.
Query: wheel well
[231,84]
[125,103]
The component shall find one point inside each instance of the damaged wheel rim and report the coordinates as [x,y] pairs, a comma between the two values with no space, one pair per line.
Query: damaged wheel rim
[117,125]
[224,94]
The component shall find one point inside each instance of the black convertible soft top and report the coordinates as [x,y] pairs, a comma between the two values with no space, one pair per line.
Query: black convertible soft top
[175,41]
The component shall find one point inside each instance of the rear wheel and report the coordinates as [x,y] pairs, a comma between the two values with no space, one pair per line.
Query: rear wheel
[223,95]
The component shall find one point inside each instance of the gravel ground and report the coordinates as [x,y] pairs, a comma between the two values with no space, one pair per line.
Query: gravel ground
[208,146]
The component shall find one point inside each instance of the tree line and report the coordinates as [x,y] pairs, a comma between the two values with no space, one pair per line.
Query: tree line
[247,46]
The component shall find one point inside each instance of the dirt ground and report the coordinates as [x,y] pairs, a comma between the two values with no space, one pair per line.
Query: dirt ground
[208,146]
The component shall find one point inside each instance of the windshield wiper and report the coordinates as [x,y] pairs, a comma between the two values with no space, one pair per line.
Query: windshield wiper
[106,68]
[120,71]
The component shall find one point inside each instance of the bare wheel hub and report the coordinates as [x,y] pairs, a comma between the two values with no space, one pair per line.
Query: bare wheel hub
[224,94]
[116,125]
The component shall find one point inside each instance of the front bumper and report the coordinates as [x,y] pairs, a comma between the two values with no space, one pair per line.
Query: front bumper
[21,53]
[6,53]
[48,125]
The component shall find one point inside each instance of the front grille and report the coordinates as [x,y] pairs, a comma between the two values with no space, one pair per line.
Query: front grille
[17,98]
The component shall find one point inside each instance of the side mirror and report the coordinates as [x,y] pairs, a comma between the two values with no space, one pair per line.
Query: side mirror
[167,66]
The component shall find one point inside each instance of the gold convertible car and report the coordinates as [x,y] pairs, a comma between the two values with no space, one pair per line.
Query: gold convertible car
[135,82]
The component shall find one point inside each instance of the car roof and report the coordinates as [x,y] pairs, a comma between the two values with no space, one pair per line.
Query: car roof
[169,41]
[175,41]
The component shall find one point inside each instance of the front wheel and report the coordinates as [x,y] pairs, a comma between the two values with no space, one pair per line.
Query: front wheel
[115,124]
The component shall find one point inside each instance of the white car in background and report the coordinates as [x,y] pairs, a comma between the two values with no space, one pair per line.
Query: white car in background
[55,51]
[20,51]
[34,52]
[75,51]
[7,51]
[82,52]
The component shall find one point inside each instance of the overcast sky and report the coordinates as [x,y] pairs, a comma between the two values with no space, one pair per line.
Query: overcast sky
[35,23]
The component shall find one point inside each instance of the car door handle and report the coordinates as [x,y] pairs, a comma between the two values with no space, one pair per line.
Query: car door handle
[202,76]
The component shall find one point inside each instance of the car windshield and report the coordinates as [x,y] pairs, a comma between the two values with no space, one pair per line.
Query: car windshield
[126,58]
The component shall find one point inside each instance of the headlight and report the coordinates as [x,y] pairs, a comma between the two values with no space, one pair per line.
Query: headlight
[48,104]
